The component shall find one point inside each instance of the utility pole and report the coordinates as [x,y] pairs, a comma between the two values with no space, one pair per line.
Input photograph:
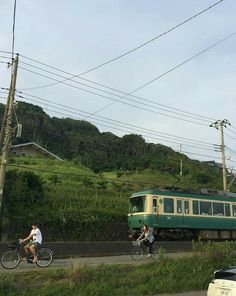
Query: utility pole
[7,131]
[221,124]
[2,132]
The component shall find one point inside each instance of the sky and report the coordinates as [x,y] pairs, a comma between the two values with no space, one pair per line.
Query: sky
[76,36]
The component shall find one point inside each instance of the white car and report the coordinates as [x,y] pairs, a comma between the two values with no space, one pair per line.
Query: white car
[224,283]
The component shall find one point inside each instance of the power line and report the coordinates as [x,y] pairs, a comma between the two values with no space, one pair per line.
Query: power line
[230,137]
[193,115]
[75,110]
[7,52]
[140,46]
[121,128]
[129,94]
[124,103]
[167,72]
[233,132]
[209,156]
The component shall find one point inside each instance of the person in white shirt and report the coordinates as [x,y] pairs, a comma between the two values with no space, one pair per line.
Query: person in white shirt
[35,238]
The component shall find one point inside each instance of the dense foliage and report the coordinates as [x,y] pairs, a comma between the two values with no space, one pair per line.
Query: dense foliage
[65,207]
[82,142]
[22,203]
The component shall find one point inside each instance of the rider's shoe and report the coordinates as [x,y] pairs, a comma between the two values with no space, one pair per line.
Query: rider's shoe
[148,255]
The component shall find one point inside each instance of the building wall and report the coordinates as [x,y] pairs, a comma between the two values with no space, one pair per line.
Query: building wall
[27,151]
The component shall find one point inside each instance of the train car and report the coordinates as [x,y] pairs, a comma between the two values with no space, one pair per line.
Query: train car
[209,214]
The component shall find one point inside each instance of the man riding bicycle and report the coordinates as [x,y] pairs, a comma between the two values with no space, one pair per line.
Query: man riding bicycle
[35,238]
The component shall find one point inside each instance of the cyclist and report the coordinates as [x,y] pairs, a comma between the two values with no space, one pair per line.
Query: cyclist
[147,238]
[35,241]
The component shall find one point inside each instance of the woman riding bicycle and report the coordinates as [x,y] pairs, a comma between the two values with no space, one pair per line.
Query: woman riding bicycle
[147,238]
[35,239]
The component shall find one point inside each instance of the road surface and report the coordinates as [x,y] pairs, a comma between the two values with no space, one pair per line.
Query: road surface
[88,261]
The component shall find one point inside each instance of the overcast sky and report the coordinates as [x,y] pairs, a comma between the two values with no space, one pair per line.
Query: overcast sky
[76,36]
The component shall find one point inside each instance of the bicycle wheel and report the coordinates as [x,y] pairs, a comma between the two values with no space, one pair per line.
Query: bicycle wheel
[136,253]
[10,259]
[44,257]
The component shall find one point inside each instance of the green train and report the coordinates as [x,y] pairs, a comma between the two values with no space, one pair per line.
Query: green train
[209,214]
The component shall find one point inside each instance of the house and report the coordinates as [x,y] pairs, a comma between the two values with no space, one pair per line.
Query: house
[31,149]
[214,164]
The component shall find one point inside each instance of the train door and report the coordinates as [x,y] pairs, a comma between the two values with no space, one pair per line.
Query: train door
[179,209]
[155,210]
[186,213]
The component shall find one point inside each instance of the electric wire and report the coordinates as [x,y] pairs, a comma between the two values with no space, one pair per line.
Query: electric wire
[124,103]
[140,87]
[209,156]
[141,45]
[124,129]
[122,92]
[132,100]
[231,131]
[7,52]
[78,111]
[128,94]
[229,136]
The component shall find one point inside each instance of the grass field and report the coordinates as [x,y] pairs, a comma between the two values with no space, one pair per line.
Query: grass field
[164,276]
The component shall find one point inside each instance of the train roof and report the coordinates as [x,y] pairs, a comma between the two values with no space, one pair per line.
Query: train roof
[199,194]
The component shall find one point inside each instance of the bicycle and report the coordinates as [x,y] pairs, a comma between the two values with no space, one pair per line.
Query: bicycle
[139,248]
[11,259]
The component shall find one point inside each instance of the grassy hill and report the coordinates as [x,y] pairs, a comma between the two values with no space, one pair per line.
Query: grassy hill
[85,196]
[71,202]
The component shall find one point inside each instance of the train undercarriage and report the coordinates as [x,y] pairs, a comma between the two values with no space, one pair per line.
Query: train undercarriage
[189,234]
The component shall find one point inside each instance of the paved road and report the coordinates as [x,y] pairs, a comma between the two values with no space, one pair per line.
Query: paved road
[88,261]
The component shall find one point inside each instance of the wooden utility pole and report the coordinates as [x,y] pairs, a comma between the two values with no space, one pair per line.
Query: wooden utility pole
[221,124]
[7,129]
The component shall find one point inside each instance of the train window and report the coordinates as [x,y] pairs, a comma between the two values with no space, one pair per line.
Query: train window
[179,206]
[168,205]
[218,209]
[186,207]
[137,204]
[195,207]
[205,208]
[234,210]
[227,210]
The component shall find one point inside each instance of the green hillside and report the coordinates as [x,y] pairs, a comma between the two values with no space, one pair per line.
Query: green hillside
[85,196]
[81,141]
